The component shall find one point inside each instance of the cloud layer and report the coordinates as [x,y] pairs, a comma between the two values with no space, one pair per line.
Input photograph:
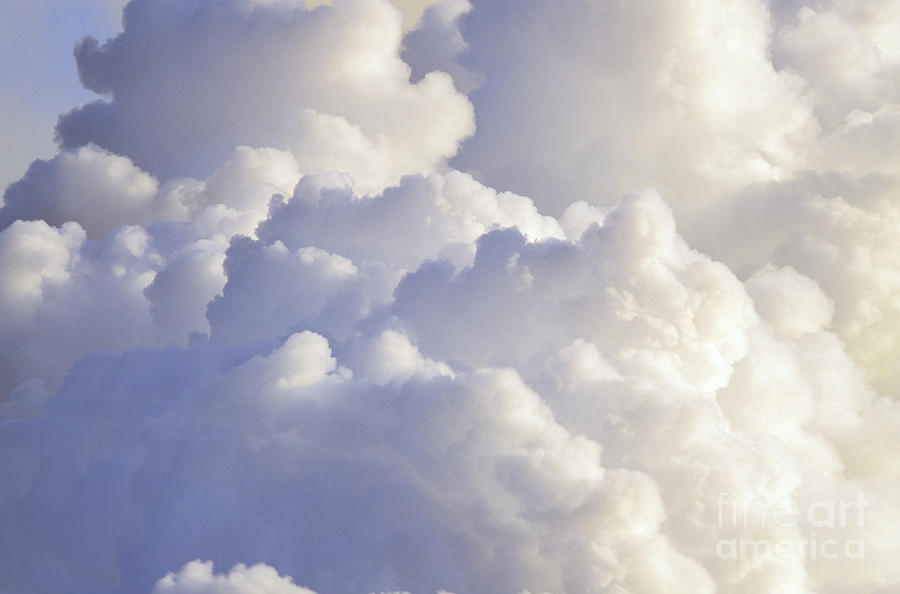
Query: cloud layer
[278,318]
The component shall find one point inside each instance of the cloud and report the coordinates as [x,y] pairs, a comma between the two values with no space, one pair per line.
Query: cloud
[101,190]
[255,315]
[845,49]
[446,447]
[436,43]
[626,285]
[421,219]
[837,229]
[788,301]
[187,82]
[197,577]
[187,274]
[620,97]
[39,80]
[532,466]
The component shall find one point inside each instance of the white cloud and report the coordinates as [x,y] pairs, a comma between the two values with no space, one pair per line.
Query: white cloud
[788,301]
[327,85]
[256,320]
[846,49]
[421,219]
[100,190]
[601,99]
[197,578]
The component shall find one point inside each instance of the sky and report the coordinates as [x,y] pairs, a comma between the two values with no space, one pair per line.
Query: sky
[468,296]
[38,75]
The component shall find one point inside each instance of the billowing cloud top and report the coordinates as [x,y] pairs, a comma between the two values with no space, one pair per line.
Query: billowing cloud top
[279,318]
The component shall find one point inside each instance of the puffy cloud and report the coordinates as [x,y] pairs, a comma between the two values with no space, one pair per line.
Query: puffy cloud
[788,301]
[282,288]
[249,315]
[390,356]
[846,50]
[187,82]
[179,280]
[437,42]
[532,466]
[412,9]
[632,286]
[839,231]
[35,255]
[197,578]
[65,295]
[100,190]
[50,280]
[590,101]
[455,469]
[304,359]
[421,219]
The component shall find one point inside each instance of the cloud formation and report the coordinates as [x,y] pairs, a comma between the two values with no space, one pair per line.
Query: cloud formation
[326,84]
[260,328]
[623,96]
[197,578]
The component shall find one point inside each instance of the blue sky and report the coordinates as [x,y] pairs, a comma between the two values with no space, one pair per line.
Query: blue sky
[38,77]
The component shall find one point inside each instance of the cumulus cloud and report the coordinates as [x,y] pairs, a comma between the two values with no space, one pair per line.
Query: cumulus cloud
[846,50]
[838,230]
[59,303]
[790,302]
[531,466]
[197,578]
[436,44]
[259,328]
[421,219]
[90,185]
[186,82]
[620,96]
